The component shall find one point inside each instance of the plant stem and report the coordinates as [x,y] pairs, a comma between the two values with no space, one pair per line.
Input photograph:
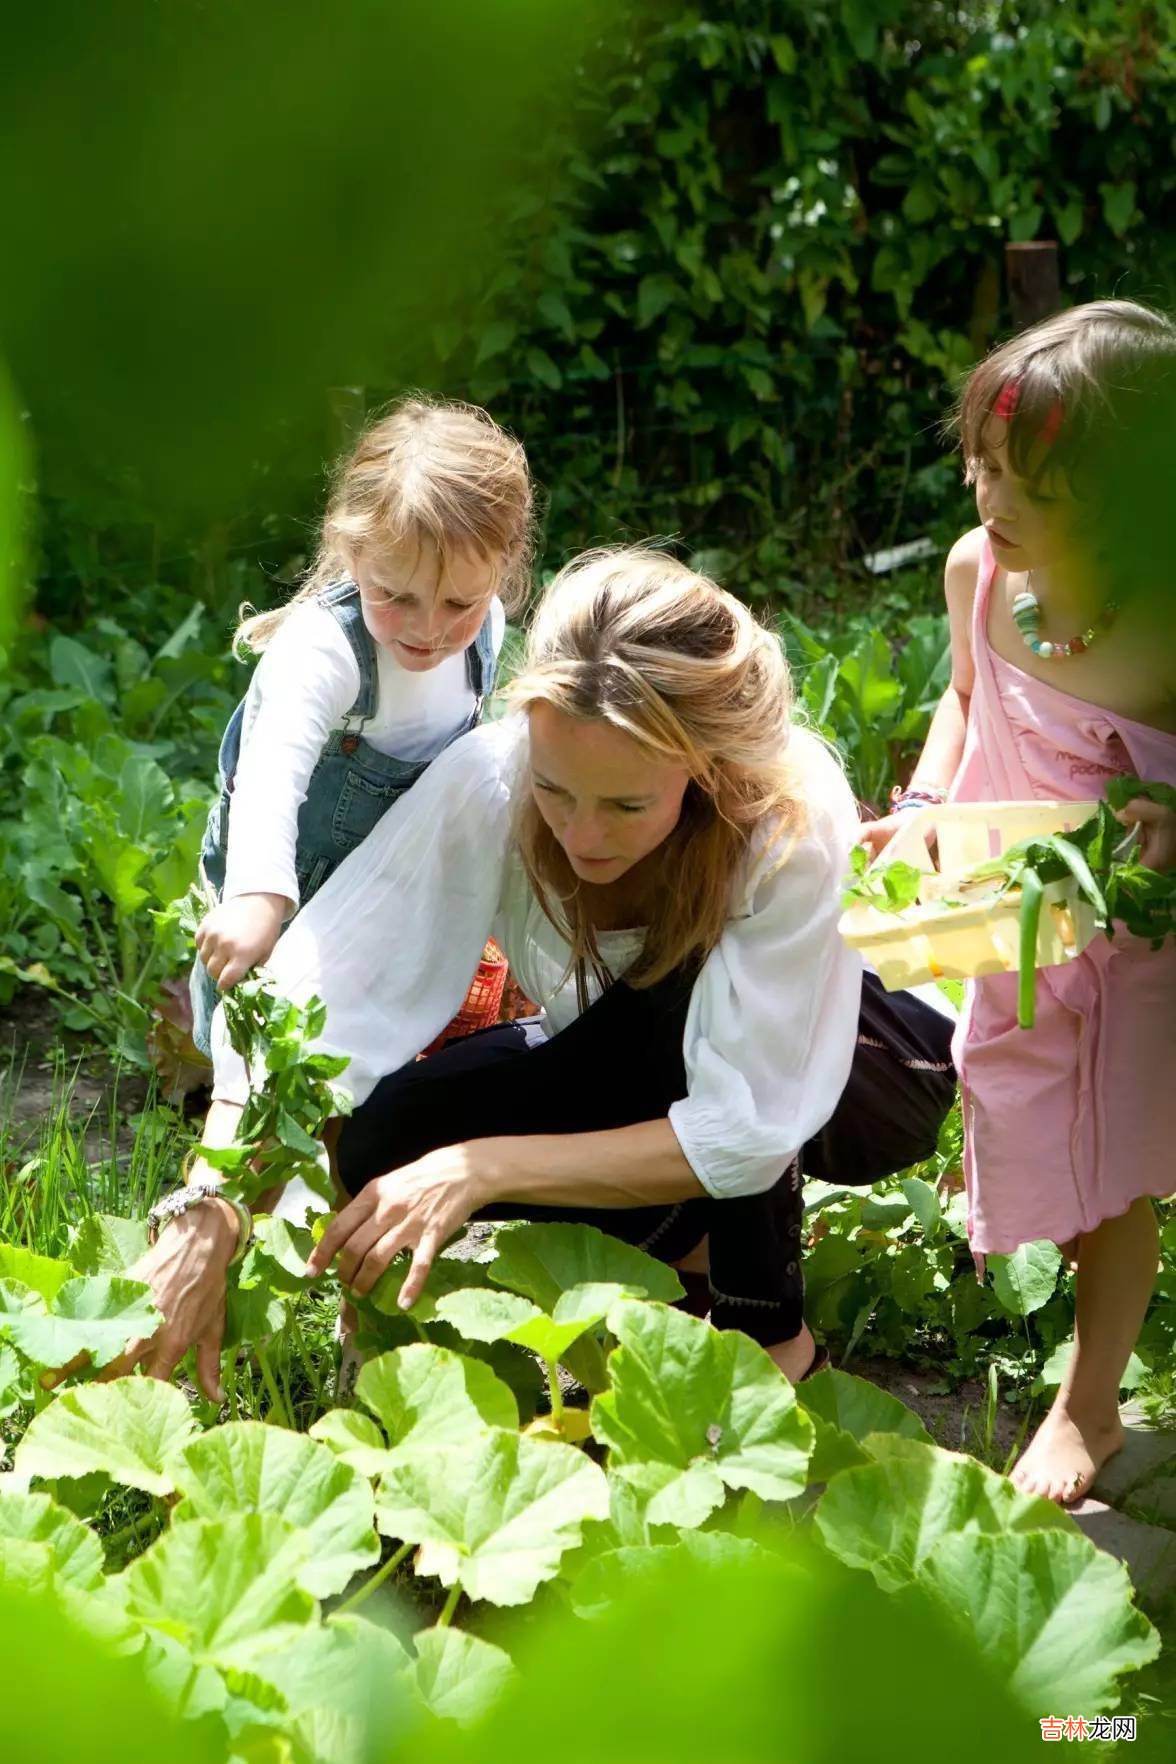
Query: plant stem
[383,1572]
[277,1406]
[447,1610]
[114,1540]
[230,1383]
[557,1402]
[304,1354]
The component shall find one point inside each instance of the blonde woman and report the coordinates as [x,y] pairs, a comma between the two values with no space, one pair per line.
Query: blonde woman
[384,656]
[660,853]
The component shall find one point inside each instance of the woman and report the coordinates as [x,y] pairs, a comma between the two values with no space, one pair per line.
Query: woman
[660,855]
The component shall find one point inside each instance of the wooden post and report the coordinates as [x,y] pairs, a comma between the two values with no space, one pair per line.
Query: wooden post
[1031,275]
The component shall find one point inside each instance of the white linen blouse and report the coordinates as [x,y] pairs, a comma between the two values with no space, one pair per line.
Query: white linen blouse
[391,939]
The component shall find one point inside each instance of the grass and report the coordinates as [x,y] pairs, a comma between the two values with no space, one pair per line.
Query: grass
[50,1182]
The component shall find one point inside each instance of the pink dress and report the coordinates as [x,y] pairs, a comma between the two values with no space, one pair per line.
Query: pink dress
[1069,1122]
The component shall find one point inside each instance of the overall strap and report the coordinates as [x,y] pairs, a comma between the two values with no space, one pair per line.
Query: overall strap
[341,600]
[482,663]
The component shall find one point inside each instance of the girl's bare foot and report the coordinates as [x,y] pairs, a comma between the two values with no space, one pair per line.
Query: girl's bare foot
[796,1356]
[1067,1452]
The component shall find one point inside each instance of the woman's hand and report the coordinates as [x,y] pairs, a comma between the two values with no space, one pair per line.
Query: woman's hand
[1157,831]
[418,1208]
[235,936]
[185,1269]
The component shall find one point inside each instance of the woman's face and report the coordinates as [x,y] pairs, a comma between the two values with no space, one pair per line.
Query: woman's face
[607,799]
[416,609]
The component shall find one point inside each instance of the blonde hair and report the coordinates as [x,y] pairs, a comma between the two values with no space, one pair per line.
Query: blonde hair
[1094,401]
[634,638]
[426,473]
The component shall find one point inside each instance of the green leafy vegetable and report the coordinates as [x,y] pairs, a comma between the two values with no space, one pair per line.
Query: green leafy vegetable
[129,1430]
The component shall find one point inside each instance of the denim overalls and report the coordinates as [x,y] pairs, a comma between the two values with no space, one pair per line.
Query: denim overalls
[349,789]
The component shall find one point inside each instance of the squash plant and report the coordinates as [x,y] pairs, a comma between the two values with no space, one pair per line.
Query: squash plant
[697,1442]
[305,1594]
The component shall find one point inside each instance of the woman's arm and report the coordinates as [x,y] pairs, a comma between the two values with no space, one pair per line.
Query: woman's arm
[420,1206]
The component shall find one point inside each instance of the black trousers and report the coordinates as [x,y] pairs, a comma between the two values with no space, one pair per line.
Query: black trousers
[621,1063]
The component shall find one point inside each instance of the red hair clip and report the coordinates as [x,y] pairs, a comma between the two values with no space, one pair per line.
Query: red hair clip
[1005,406]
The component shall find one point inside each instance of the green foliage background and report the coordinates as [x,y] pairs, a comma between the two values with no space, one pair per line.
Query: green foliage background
[722,286]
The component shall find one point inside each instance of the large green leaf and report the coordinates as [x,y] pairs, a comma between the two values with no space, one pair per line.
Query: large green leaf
[248,1467]
[128,1429]
[446,1275]
[702,1400]
[846,1410]
[459,1676]
[11,1379]
[106,1244]
[226,1589]
[426,1395]
[610,1579]
[542,1261]
[280,1253]
[505,1316]
[1026,1280]
[41,1274]
[72,664]
[1053,1614]
[354,1438]
[35,1518]
[347,1665]
[94,1314]
[493,1516]
[889,1515]
[144,801]
[27,1568]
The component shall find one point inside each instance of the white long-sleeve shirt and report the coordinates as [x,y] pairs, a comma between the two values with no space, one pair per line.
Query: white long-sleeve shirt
[391,939]
[302,689]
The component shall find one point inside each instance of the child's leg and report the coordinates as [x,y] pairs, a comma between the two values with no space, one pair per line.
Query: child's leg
[1117,1266]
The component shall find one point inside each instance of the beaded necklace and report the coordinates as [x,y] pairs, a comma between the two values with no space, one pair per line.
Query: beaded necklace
[1027,618]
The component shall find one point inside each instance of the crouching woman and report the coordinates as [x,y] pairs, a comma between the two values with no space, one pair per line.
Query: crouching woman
[659,852]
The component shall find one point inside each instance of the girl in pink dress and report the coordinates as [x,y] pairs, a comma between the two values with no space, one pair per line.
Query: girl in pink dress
[1063,675]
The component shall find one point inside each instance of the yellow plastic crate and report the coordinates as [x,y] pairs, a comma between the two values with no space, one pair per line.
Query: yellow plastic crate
[926,942]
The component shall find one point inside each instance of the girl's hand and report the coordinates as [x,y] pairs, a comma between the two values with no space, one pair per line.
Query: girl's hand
[418,1208]
[876,835]
[185,1269]
[239,934]
[1157,831]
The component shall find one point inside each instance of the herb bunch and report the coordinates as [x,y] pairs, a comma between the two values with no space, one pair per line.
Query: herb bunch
[1097,856]
[291,1098]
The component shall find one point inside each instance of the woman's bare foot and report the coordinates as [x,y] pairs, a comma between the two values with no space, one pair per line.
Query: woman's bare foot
[1067,1452]
[796,1356]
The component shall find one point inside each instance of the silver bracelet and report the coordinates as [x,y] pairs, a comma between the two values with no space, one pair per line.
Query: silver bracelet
[182,1200]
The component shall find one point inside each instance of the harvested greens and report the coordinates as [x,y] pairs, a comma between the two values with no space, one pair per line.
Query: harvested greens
[1098,857]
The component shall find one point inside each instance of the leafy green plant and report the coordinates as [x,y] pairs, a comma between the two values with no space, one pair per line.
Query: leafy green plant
[101,818]
[291,1098]
[1121,891]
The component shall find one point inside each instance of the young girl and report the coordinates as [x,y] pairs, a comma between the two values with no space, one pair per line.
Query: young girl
[1062,677]
[381,659]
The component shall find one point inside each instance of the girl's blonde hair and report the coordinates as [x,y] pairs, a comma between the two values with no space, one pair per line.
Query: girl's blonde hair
[1092,392]
[427,472]
[634,638]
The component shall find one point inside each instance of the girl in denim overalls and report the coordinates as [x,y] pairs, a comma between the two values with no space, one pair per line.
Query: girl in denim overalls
[384,657]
